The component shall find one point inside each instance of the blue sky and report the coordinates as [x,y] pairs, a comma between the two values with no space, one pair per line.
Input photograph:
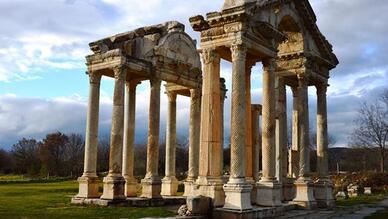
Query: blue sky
[43,86]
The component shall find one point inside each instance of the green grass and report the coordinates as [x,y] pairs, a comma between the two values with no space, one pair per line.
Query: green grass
[363,199]
[52,200]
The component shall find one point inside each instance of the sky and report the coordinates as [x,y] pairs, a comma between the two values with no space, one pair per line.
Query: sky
[44,88]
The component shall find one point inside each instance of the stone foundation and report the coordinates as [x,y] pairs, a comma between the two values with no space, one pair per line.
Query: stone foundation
[169,186]
[305,194]
[88,187]
[151,188]
[113,188]
[323,193]
[132,202]
[268,194]
[255,213]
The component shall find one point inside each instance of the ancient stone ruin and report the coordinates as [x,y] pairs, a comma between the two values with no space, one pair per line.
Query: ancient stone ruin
[284,37]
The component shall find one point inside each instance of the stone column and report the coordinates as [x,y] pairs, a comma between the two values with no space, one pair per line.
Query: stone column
[129,139]
[304,187]
[268,188]
[222,101]
[151,184]
[89,182]
[169,182]
[323,189]
[195,125]
[114,181]
[209,180]
[294,156]
[237,190]
[248,121]
[256,142]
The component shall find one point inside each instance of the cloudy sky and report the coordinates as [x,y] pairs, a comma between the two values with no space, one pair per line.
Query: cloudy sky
[43,86]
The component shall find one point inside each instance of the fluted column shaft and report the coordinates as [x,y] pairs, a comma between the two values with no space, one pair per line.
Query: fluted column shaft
[268,129]
[195,125]
[91,140]
[171,135]
[322,136]
[303,114]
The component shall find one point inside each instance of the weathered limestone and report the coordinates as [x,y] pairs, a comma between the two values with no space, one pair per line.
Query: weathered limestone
[223,97]
[169,182]
[89,182]
[114,181]
[237,190]
[129,139]
[235,3]
[151,184]
[268,188]
[256,140]
[294,156]
[209,181]
[304,186]
[323,189]
[194,129]
[281,138]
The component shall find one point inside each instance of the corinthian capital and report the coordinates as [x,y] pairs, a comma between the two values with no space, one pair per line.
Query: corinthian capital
[239,51]
[321,89]
[269,64]
[210,55]
[94,78]
[171,96]
[119,72]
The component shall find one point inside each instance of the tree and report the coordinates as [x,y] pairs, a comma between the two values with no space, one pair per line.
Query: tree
[6,162]
[52,154]
[25,154]
[372,127]
[74,154]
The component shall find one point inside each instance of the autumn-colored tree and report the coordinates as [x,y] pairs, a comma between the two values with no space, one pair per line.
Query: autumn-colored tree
[52,154]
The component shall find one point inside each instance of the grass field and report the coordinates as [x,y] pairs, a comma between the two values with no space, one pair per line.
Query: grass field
[52,200]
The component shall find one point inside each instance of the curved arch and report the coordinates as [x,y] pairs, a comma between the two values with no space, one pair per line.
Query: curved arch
[180,47]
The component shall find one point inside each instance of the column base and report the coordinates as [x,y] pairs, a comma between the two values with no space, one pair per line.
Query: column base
[269,193]
[323,193]
[113,188]
[169,186]
[212,188]
[151,188]
[238,195]
[189,188]
[88,187]
[130,186]
[252,182]
[305,194]
[288,190]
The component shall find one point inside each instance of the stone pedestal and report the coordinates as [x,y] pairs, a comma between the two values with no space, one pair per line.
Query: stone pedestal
[212,188]
[131,186]
[238,195]
[305,194]
[323,193]
[288,189]
[269,193]
[151,188]
[189,188]
[88,187]
[113,188]
[169,186]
